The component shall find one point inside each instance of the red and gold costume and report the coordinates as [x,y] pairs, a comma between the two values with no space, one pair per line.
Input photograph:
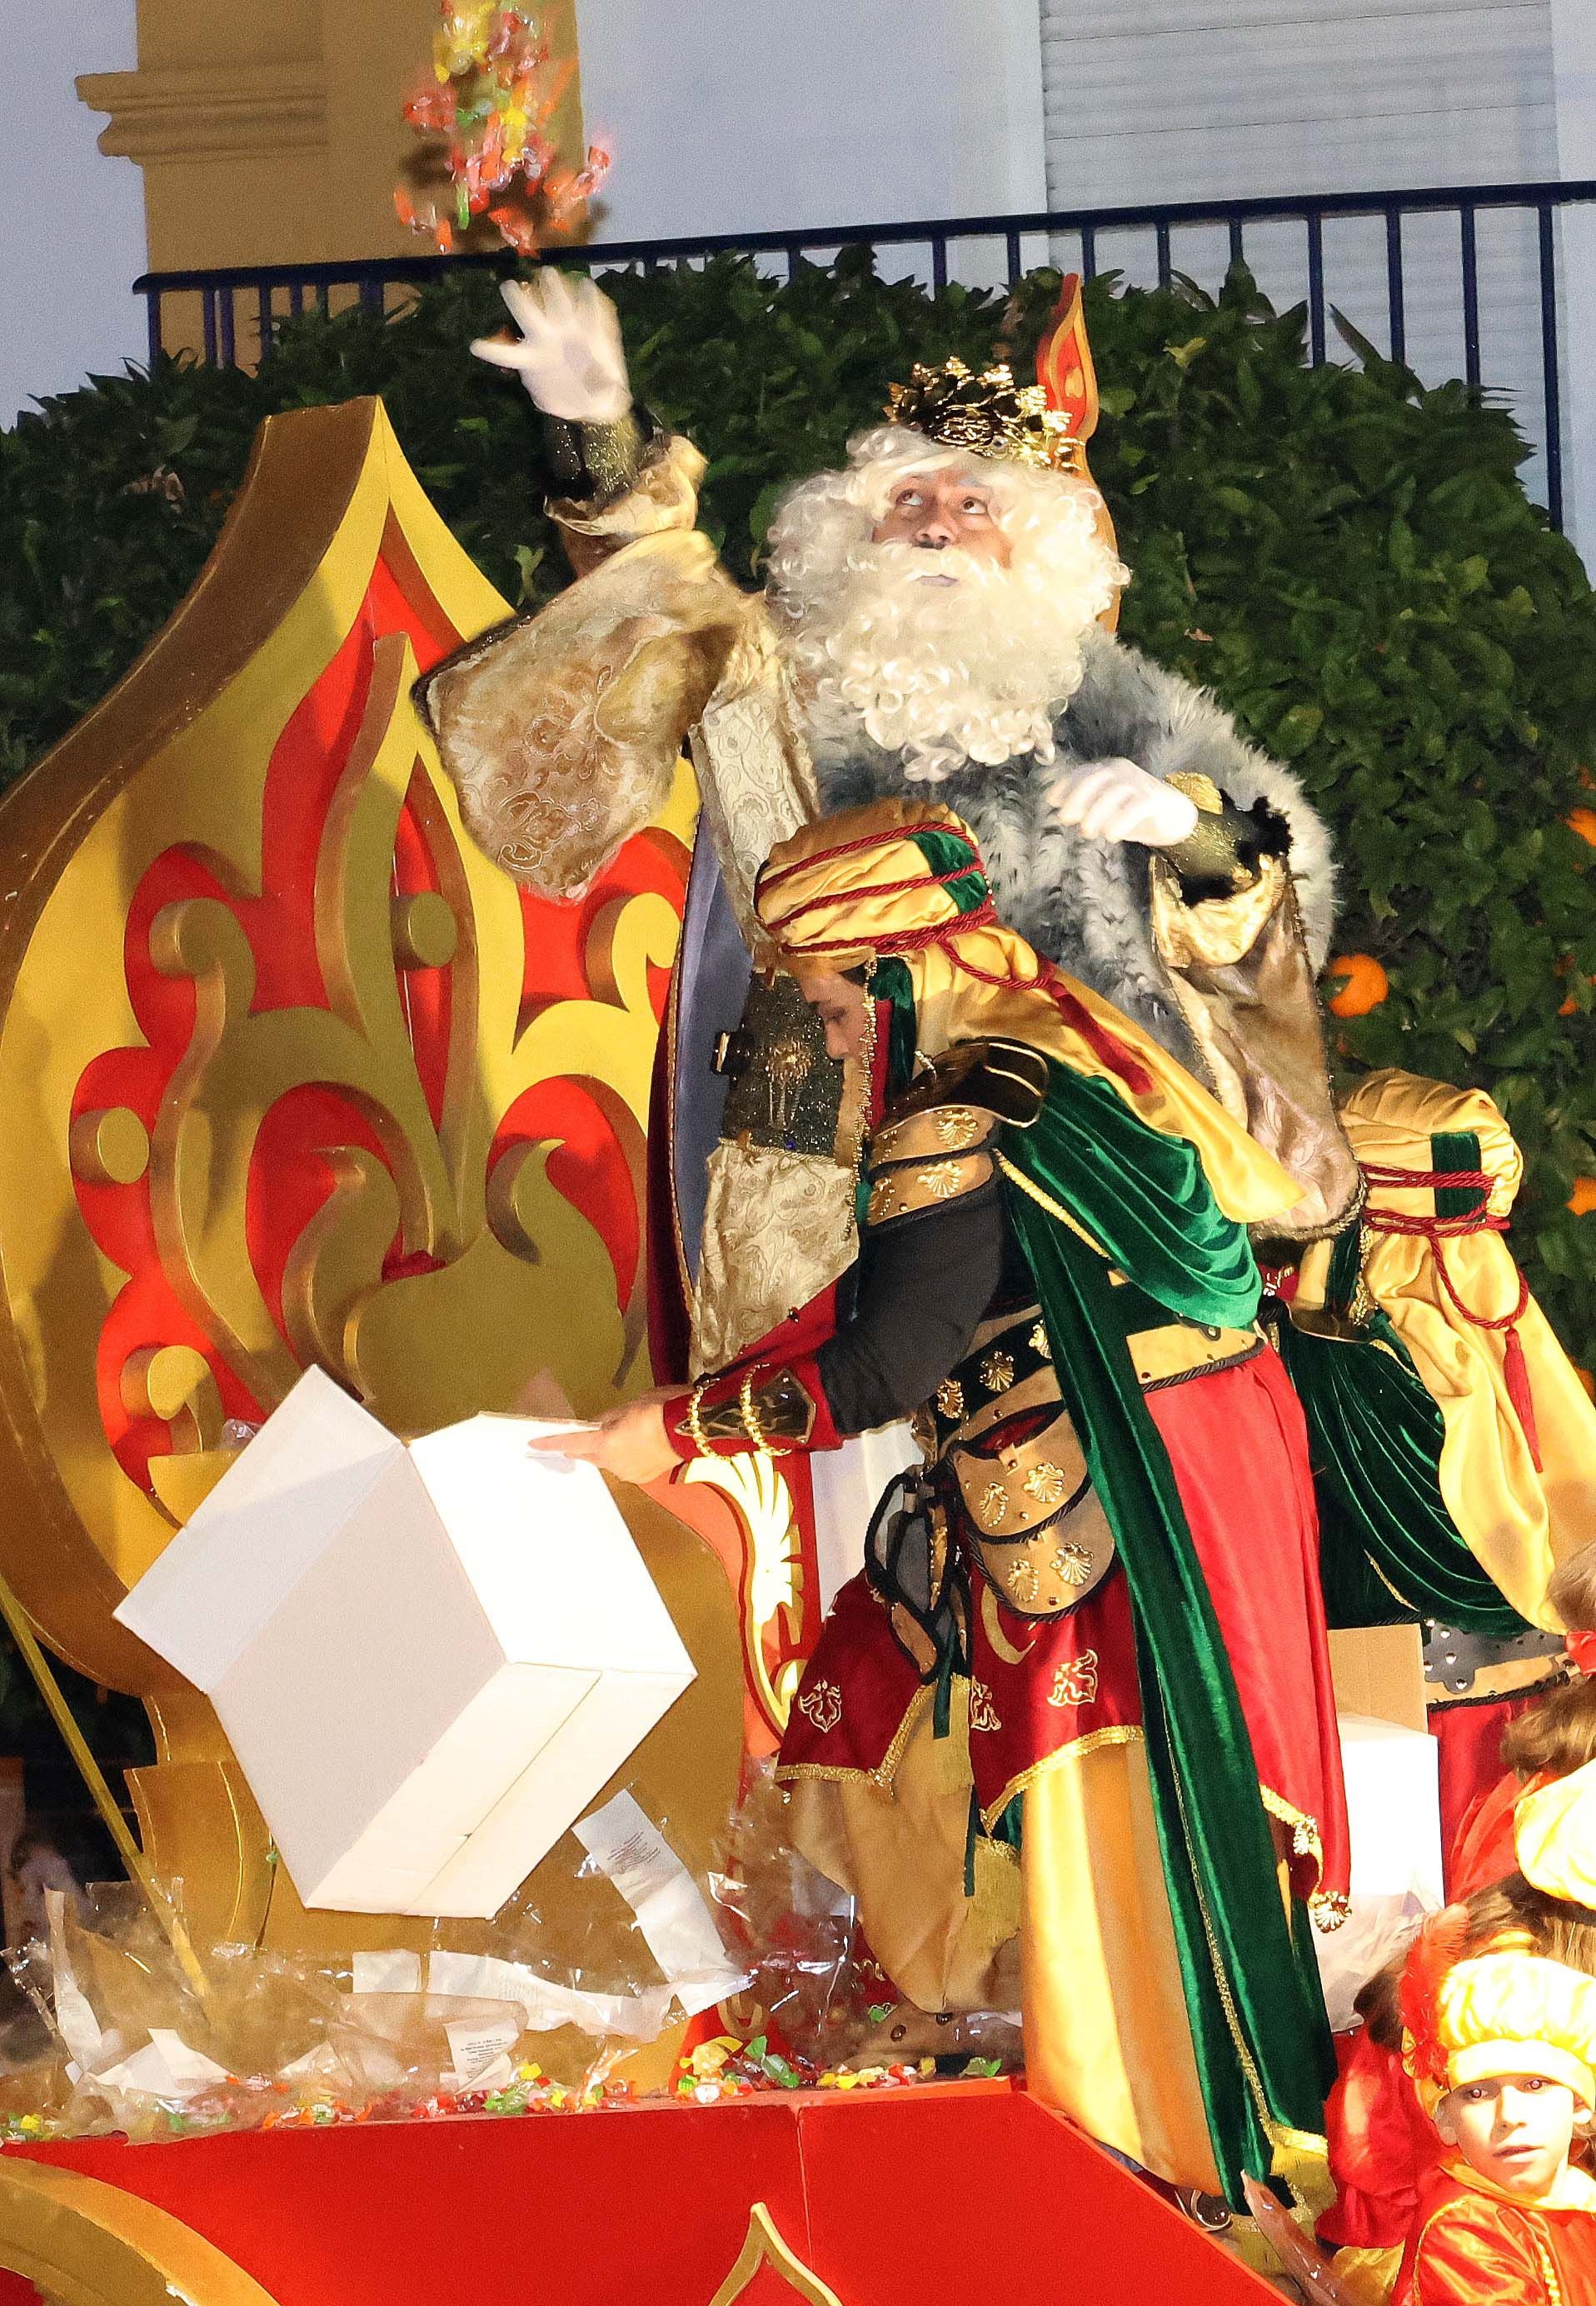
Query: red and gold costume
[967,1751]
[1473,2244]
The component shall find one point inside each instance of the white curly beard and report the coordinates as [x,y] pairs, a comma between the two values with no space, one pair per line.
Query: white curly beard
[947,673]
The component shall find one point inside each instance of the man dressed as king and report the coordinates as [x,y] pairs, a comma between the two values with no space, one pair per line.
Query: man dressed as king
[1036,940]
[934,624]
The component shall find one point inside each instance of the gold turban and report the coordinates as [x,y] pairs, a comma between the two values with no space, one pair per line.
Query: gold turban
[1554,1835]
[860,887]
[1515,2014]
[1456,1302]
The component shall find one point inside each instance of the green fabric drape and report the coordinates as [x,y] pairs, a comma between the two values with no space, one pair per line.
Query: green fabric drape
[890,989]
[1144,1197]
[1389,1551]
[946,852]
[1263,2047]
[1457,1149]
[1388,1548]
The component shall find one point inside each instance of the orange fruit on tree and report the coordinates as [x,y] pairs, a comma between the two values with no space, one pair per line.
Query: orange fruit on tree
[1583,1199]
[1583,821]
[1569,1007]
[1364,983]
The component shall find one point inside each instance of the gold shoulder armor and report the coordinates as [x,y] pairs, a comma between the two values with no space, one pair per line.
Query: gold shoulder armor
[936,1142]
[1004,1079]
[928,1158]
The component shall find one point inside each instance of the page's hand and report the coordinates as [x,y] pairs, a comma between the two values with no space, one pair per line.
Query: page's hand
[569,353]
[630,1442]
[1115,800]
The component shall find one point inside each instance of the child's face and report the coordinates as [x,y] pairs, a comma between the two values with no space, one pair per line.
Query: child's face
[1514,2129]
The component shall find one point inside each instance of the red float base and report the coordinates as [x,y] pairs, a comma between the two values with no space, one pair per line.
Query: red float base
[965,2192]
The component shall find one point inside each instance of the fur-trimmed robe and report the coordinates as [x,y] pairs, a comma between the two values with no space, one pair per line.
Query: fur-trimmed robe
[563,732]
[1085,903]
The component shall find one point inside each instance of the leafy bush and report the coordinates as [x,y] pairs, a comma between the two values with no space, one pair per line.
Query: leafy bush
[1346,558]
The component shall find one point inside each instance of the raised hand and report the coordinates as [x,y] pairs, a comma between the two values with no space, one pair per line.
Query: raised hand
[569,352]
[1115,800]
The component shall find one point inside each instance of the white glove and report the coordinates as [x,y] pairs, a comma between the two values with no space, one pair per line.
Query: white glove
[569,354]
[1115,800]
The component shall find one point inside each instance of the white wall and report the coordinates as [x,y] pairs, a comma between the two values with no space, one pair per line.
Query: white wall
[1164,100]
[1574,57]
[74,220]
[733,115]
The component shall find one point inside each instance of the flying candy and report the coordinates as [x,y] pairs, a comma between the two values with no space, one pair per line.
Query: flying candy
[494,89]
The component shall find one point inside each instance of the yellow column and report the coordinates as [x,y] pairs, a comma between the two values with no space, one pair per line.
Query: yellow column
[275,135]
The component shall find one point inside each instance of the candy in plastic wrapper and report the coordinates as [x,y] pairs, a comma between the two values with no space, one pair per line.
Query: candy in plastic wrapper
[412,2047]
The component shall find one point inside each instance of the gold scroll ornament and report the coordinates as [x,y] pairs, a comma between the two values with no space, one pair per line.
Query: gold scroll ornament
[277,1047]
[82,2242]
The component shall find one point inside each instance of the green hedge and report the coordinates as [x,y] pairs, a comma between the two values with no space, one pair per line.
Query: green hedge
[1347,559]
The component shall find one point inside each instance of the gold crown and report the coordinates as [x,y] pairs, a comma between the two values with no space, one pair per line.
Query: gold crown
[989,414]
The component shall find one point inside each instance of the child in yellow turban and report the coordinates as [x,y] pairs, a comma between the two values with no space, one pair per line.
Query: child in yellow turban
[1501,2047]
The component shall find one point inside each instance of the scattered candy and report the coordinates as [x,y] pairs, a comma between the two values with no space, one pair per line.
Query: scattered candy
[495,87]
[716,2073]
[24,2129]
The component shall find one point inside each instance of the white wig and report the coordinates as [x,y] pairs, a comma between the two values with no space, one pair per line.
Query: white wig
[975,669]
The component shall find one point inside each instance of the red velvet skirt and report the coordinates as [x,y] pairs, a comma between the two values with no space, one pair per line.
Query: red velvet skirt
[1239,1447]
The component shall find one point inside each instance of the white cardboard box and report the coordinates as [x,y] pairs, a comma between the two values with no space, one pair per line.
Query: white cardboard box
[1393,1803]
[428,1659]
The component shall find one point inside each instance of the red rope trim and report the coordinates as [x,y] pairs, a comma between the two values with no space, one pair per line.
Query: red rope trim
[900,941]
[1438,1231]
[1433,1180]
[1433,1228]
[878,889]
[1109,1049]
[768,880]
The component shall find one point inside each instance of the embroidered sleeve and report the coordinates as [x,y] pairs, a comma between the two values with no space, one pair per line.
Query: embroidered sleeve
[562,730]
[1224,854]
[592,465]
[644,486]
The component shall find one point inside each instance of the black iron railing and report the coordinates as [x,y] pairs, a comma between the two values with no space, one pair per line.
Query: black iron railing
[1522,297]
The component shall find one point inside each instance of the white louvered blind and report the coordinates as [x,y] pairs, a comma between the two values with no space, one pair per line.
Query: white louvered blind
[1155,100]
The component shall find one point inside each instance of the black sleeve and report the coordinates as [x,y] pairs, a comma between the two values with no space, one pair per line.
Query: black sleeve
[925,1285]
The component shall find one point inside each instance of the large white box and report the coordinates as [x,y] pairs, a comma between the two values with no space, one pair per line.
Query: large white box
[427,1658]
[1394,1813]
